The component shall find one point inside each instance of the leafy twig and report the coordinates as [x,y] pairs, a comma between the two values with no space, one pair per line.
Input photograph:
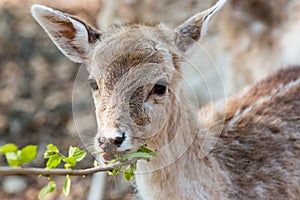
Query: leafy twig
[8,171]
[16,158]
[142,153]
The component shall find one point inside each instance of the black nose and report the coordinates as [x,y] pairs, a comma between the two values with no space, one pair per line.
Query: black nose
[118,140]
[110,144]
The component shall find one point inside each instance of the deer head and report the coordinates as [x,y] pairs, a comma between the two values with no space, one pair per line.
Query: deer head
[134,73]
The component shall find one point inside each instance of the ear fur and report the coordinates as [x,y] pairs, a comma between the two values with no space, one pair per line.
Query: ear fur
[72,36]
[190,31]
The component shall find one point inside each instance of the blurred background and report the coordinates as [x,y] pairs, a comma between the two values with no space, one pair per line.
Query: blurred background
[247,40]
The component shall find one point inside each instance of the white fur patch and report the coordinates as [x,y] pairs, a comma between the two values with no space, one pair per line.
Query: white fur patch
[211,13]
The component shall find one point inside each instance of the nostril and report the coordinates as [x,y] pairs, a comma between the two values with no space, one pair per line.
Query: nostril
[101,140]
[119,140]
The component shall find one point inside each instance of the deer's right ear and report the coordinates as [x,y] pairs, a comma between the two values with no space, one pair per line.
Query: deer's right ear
[72,36]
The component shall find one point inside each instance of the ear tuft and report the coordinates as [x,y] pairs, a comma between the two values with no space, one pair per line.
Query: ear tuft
[189,32]
[72,36]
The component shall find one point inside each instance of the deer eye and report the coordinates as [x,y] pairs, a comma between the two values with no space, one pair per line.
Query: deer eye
[93,84]
[159,89]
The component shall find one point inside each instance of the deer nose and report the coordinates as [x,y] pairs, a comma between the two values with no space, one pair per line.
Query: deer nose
[118,140]
[112,142]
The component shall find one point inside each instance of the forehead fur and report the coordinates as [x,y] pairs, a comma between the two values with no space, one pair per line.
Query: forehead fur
[124,48]
[121,65]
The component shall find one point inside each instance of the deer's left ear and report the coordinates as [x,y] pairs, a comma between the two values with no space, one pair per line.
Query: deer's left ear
[189,32]
[73,37]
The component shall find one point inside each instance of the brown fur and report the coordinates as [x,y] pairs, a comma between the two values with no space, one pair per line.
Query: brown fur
[269,140]
[121,65]
[265,88]
[69,30]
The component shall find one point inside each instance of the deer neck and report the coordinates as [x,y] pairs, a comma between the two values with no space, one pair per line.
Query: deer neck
[179,164]
[178,134]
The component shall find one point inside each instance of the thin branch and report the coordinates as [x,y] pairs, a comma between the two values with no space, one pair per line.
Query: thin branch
[8,171]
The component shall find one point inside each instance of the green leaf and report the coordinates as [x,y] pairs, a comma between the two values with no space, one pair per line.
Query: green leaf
[53,161]
[8,148]
[28,153]
[70,162]
[114,171]
[129,172]
[12,159]
[140,155]
[47,189]
[80,155]
[52,147]
[77,153]
[67,185]
[51,150]
[72,150]
[146,150]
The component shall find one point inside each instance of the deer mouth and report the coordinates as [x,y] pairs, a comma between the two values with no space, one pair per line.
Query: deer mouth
[106,158]
[112,157]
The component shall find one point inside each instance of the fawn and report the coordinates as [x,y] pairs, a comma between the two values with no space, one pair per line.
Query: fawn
[247,147]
